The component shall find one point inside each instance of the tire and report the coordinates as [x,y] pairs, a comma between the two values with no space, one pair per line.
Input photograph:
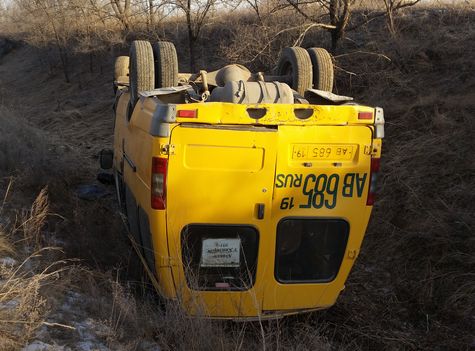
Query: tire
[166,64]
[322,69]
[121,67]
[295,61]
[142,72]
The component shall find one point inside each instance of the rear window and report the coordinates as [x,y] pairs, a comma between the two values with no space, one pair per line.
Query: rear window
[220,257]
[310,250]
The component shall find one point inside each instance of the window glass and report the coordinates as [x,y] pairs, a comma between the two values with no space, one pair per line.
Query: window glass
[310,250]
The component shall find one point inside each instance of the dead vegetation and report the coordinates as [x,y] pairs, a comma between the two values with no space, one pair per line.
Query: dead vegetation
[22,306]
[412,287]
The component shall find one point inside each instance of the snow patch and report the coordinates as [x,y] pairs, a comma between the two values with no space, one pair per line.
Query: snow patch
[146,345]
[38,346]
[9,305]
[8,261]
[90,346]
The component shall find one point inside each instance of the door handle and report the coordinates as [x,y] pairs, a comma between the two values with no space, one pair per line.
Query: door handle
[129,161]
[260,211]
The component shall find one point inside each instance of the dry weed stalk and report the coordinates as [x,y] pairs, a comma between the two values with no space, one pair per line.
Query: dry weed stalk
[23,305]
[5,245]
[35,219]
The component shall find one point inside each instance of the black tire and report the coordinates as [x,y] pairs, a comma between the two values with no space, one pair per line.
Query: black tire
[142,72]
[121,67]
[295,61]
[166,64]
[322,63]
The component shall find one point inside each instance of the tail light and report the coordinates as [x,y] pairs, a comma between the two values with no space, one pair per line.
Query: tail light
[365,115]
[187,113]
[159,183]
[375,166]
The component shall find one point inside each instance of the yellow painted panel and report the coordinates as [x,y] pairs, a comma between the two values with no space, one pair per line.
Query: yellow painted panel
[275,114]
[223,158]
[341,189]
[201,194]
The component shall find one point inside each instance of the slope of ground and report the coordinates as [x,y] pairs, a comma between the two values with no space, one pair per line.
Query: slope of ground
[413,286]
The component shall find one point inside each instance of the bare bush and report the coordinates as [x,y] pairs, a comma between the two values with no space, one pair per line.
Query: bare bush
[196,13]
[392,6]
[256,43]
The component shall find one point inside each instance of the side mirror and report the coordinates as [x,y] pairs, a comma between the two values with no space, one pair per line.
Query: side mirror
[106,157]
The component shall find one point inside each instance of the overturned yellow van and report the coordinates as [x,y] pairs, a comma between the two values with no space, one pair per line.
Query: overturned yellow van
[248,195]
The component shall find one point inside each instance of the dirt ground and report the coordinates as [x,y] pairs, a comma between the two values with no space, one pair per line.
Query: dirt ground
[72,126]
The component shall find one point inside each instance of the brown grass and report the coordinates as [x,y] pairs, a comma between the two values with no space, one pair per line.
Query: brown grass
[24,274]
[28,152]
[6,247]
[34,222]
[130,321]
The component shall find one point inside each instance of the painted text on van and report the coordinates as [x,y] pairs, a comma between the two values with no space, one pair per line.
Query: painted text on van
[321,190]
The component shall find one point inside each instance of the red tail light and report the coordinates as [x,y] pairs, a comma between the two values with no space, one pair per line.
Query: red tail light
[375,166]
[159,183]
[186,113]
[365,115]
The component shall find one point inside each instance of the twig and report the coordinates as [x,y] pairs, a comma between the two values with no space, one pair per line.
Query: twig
[58,325]
[313,25]
[344,70]
[364,52]
[326,26]
[10,182]
[45,323]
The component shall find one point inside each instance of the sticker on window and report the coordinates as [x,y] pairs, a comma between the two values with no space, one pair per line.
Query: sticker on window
[220,253]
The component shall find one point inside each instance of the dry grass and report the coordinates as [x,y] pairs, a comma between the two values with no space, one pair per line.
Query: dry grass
[25,271]
[5,247]
[28,150]
[35,221]
[131,321]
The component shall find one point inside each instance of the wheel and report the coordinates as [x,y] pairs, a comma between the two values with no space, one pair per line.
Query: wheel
[322,69]
[166,64]
[121,67]
[142,72]
[121,71]
[295,62]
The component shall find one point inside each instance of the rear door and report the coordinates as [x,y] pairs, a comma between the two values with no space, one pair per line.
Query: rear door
[319,213]
[219,200]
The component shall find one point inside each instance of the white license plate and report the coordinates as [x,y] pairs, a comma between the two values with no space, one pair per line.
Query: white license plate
[220,253]
[334,152]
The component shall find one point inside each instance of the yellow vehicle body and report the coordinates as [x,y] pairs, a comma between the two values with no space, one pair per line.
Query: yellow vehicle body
[278,182]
